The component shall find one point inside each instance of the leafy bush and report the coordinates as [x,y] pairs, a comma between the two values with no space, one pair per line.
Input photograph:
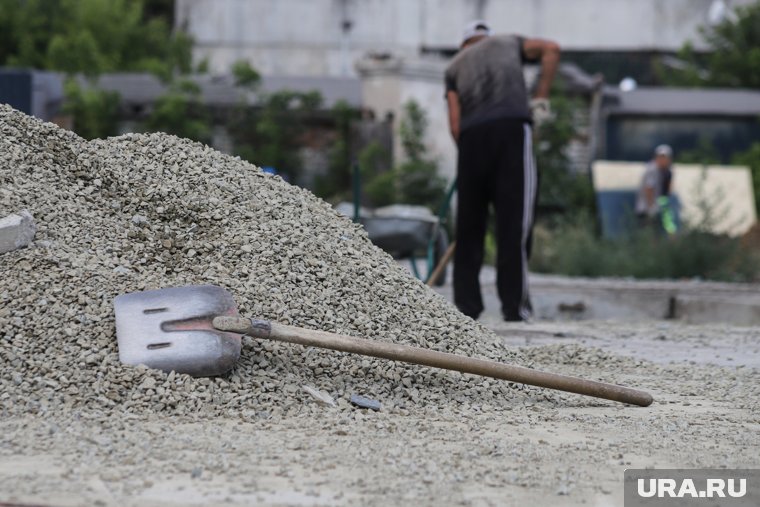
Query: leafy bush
[751,158]
[271,134]
[374,162]
[559,187]
[416,179]
[245,74]
[335,185]
[573,249]
[181,113]
[91,37]
[734,59]
[95,112]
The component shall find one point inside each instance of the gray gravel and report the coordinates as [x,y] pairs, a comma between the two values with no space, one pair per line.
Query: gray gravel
[148,211]
[539,453]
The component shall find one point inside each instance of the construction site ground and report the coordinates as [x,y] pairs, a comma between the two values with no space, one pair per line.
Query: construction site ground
[706,414]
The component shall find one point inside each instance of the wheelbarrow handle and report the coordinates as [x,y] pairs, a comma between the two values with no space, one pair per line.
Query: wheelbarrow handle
[395,352]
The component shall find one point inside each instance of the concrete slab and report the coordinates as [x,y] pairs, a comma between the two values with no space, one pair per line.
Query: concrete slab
[561,298]
[706,308]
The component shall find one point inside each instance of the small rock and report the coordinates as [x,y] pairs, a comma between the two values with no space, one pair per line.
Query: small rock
[362,402]
[139,220]
[321,396]
[16,231]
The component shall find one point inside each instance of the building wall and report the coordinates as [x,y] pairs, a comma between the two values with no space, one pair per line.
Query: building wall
[389,84]
[393,45]
[307,37]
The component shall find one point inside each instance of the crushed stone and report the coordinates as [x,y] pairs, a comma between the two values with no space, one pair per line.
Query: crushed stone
[146,211]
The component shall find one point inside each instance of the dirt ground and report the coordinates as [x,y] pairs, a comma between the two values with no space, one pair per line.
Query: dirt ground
[553,450]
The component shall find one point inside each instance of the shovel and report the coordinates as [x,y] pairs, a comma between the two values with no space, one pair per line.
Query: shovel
[197,330]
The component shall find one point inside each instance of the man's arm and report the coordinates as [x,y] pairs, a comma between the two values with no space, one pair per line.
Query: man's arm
[649,197]
[547,52]
[452,98]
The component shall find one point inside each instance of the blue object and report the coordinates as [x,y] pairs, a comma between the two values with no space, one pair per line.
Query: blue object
[16,89]
[37,93]
[617,212]
[269,170]
[362,402]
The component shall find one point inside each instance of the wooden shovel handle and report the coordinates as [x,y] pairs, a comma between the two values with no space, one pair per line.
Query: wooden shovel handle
[438,271]
[427,357]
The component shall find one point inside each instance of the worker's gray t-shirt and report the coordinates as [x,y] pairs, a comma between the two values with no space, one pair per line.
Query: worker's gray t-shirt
[488,78]
[656,179]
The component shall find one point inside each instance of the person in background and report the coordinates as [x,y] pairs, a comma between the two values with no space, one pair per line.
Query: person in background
[490,117]
[653,200]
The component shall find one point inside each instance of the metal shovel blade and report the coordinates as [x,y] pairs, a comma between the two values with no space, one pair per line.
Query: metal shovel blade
[170,329]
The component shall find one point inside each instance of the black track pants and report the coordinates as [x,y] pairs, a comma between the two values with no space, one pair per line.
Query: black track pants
[495,166]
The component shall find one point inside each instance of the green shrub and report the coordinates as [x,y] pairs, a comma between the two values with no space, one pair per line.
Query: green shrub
[417,181]
[751,158]
[381,190]
[573,249]
[95,112]
[271,134]
[380,186]
[335,185]
[180,112]
[245,75]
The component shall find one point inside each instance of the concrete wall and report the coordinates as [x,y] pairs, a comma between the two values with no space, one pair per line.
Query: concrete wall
[307,37]
[389,84]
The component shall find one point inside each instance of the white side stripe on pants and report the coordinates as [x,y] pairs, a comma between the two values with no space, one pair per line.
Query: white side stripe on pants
[529,196]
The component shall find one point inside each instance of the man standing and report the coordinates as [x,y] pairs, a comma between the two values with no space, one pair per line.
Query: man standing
[490,120]
[653,206]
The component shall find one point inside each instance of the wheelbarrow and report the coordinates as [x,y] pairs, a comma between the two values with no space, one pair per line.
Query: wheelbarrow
[403,230]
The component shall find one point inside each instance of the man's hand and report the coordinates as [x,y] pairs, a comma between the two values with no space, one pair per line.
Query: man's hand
[548,53]
[541,111]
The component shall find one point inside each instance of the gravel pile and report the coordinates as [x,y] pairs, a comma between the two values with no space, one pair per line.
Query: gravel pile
[148,211]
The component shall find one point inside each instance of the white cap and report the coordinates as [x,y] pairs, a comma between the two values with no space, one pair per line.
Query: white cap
[664,149]
[474,29]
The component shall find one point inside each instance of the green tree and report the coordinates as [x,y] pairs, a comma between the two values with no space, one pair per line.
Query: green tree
[90,37]
[375,164]
[335,185]
[245,75]
[270,134]
[181,113]
[733,59]
[418,181]
[160,9]
[95,112]
[704,153]
[415,180]
[751,158]
[560,188]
